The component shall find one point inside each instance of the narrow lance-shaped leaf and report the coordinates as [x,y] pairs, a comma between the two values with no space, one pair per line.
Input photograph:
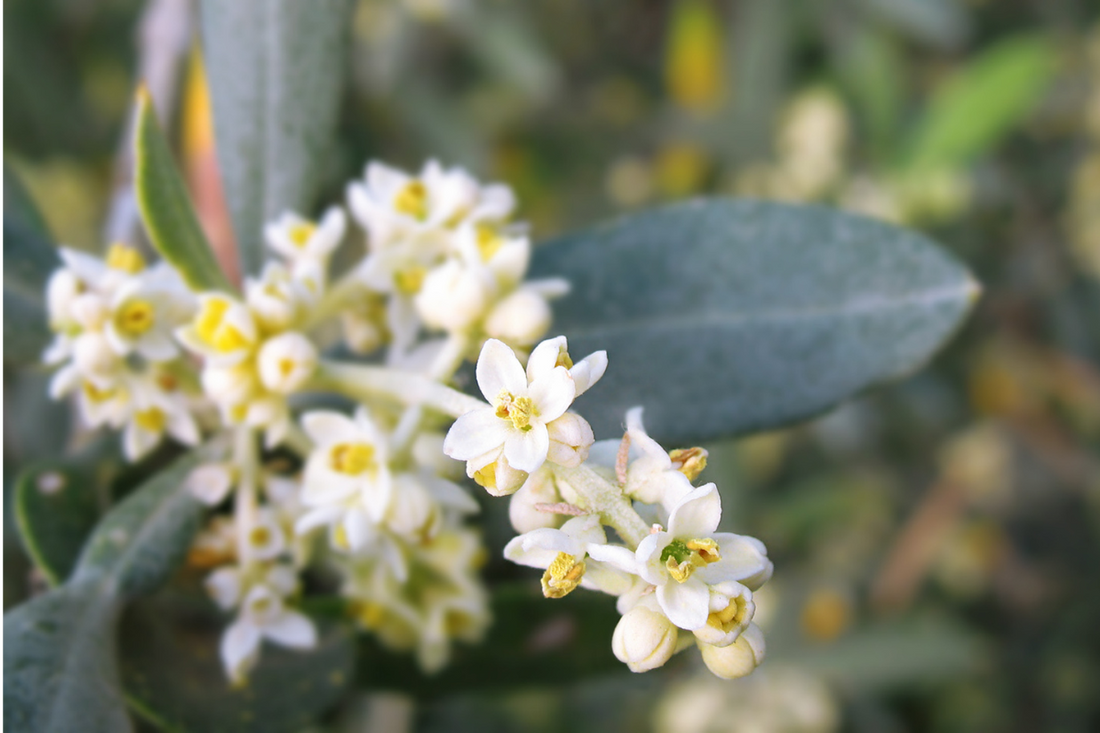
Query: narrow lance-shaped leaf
[59,652]
[724,317]
[166,207]
[276,68]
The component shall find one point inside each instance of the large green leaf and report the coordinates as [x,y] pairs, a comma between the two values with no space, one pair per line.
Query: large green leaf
[276,68]
[725,317]
[61,672]
[166,207]
[57,506]
[29,259]
[975,107]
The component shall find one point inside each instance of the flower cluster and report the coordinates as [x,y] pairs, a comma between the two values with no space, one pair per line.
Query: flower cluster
[675,573]
[114,320]
[341,469]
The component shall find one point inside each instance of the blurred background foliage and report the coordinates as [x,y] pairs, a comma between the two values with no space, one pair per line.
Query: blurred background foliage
[937,543]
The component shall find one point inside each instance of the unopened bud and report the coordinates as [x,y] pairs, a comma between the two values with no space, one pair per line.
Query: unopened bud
[520,319]
[737,659]
[644,639]
[570,438]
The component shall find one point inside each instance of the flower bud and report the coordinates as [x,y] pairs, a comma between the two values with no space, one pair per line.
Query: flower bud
[453,296]
[93,355]
[570,438]
[520,319]
[644,639]
[210,483]
[286,362]
[739,658]
[62,291]
[276,300]
[731,611]
[540,488]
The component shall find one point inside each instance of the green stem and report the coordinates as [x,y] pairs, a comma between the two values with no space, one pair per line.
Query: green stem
[366,383]
[245,510]
[600,495]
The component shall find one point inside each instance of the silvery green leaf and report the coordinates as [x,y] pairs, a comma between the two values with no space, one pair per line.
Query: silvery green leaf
[725,317]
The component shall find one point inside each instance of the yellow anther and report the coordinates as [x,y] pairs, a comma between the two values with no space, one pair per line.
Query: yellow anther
[237,413]
[692,461]
[680,571]
[564,360]
[286,366]
[410,280]
[259,536]
[735,614]
[486,477]
[353,458]
[705,550]
[95,394]
[682,558]
[135,317]
[563,575]
[519,410]
[127,259]
[370,615]
[211,327]
[152,419]
[489,241]
[340,538]
[413,200]
[300,233]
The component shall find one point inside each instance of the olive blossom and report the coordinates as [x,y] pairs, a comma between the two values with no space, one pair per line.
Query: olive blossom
[298,239]
[562,553]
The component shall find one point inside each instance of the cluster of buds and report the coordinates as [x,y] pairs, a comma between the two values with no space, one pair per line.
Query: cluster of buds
[367,493]
[678,580]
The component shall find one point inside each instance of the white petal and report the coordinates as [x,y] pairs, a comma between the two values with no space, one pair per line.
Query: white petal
[210,483]
[686,604]
[742,561]
[240,646]
[325,427]
[321,517]
[498,370]
[698,514]
[544,357]
[526,451]
[553,394]
[640,439]
[538,548]
[616,556]
[588,371]
[292,629]
[476,433]
[224,586]
[586,530]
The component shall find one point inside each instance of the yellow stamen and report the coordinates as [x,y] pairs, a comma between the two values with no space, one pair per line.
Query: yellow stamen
[152,419]
[260,536]
[237,413]
[486,477]
[563,575]
[370,615]
[211,327]
[413,200]
[127,259]
[705,549]
[519,410]
[135,318]
[286,366]
[300,233]
[735,614]
[683,558]
[489,241]
[353,458]
[692,461]
[340,538]
[564,360]
[97,395]
[410,280]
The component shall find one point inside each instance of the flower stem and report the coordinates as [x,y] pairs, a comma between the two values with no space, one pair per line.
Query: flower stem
[600,495]
[362,382]
[247,463]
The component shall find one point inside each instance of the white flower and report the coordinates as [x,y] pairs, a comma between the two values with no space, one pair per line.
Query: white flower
[223,331]
[263,614]
[62,290]
[156,413]
[737,659]
[455,295]
[278,300]
[684,562]
[95,359]
[554,352]
[562,553]
[731,612]
[266,538]
[652,478]
[644,639]
[210,483]
[146,310]
[299,239]
[420,502]
[514,423]
[346,483]
[286,362]
[520,319]
[502,254]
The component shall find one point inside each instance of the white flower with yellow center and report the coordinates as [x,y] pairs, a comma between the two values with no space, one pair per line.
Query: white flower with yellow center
[684,563]
[210,483]
[563,554]
[455,295]
[105,275]
[146,310]
[299,239]
[503,253]
[263,615]
[223,331]
[156,413]
[421,503]
[286,362]
[514,424]
[653,477]
[346,484]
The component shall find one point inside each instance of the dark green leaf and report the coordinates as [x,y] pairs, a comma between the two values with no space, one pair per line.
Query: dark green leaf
[276,68]
[974,108]
[173,675]
[166,208]
[725,317]
[61,672]
[57,505]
